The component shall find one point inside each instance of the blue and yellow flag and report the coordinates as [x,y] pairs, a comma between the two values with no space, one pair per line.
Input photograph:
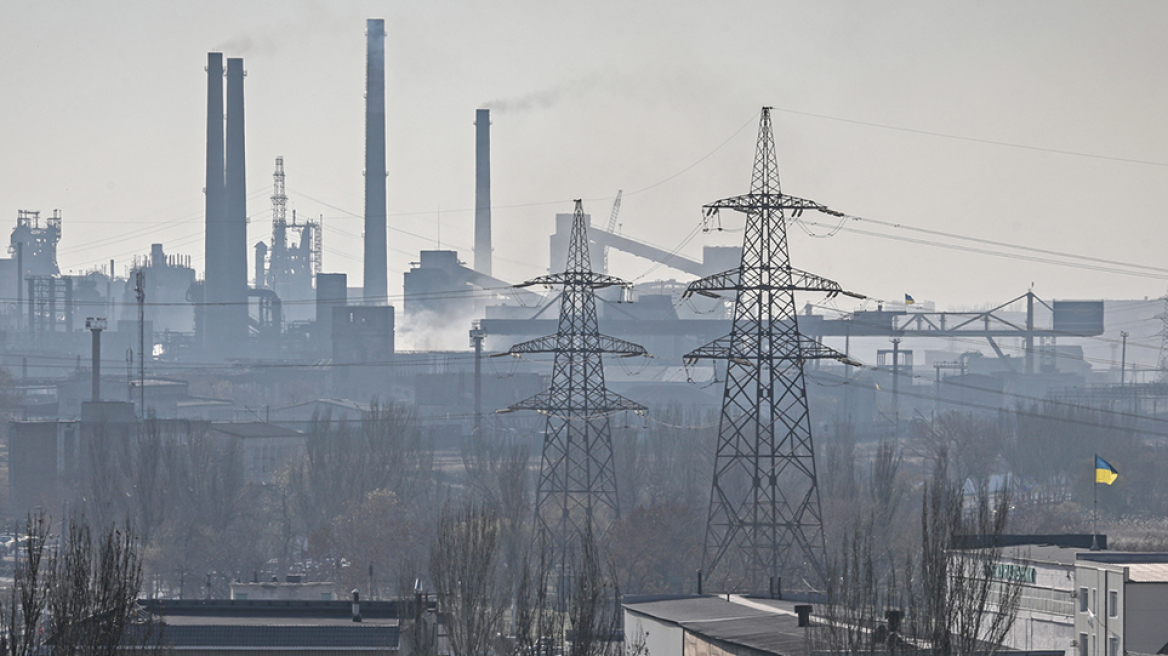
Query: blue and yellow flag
[1104,472]
[908,300]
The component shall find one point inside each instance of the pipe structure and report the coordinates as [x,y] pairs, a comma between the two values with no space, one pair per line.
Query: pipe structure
[482,222]
[376,285]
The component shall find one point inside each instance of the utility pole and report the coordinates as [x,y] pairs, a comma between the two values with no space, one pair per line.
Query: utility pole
[1123,359]
[764,518]
[20,285]
[140,290]
[1029,339]
[896,387]
[476,340]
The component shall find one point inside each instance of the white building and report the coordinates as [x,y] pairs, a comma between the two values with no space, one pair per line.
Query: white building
[1122,603]
[1087,603]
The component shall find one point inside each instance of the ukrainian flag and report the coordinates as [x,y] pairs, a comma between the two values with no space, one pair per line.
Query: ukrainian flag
[1104,472]
[908,300]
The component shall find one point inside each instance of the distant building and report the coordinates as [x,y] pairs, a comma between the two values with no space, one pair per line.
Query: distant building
[1086,603]
[305,628]
[300,415]
[265,447]
[689,625]
[1122,603]
[290,589]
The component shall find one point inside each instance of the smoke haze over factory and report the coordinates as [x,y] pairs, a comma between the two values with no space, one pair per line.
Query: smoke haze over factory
[1033,124]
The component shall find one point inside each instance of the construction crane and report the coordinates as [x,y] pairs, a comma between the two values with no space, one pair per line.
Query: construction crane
[612,224]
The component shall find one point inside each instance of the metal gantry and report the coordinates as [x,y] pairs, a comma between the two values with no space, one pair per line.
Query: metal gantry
[764,519]
[577,492]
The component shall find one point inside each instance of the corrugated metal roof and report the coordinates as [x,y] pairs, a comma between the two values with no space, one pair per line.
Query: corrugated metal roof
[761,624]
[777,634]
[1148,572]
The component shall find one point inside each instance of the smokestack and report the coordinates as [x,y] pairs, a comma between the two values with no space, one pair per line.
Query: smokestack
[376,264]
[95,326]
[261,255]
[482,225]
[234,244]
[215,221]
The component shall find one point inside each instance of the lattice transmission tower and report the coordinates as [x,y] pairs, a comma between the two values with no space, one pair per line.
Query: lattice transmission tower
[764,518]
[577,492]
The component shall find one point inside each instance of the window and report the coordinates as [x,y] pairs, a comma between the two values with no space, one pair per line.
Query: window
[1083,600]
[1113,646]
[1083,644]
[1094,645]
[1094,606]
[1113,603]
[241,596]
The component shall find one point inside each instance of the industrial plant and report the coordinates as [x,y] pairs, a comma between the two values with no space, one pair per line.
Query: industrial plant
[575,379]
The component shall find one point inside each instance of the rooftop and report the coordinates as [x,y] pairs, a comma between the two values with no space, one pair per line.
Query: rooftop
[763,624]
[246,429]
[276,624]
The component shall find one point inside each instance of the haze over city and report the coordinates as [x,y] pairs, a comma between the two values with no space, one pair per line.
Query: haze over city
[105,108]
[590,329]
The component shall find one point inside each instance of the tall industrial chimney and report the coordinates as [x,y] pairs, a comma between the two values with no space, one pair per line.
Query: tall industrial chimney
[482,225]
[215,222]
[376,263]
[234,244]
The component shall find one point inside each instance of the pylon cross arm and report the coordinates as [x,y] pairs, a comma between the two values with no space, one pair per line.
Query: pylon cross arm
[742,350]
[812,349]
[581,278]
[719,282]
[800,281]
[606,402]
[585,344]
[761,201]
[809,282]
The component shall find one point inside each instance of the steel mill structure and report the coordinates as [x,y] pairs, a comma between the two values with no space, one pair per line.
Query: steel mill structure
[764,519]
[577,493]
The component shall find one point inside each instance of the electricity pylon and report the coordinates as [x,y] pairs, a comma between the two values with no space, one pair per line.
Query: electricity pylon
[764,518]
[577,492]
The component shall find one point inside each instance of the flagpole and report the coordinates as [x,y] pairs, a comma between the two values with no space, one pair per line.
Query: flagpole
[1094,508]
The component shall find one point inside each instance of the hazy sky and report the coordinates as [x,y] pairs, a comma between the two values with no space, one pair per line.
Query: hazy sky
[103,116]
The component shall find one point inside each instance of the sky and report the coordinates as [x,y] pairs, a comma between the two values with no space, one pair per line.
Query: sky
[1031,123]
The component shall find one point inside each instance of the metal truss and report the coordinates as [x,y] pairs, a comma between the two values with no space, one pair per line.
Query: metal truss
[764,520]
[577,492]
[797,281]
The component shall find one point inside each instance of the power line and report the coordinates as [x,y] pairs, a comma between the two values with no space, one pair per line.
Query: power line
[991,142]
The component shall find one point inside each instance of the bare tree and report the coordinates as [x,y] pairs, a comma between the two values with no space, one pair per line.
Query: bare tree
[949,597]
[79,598]
[93,592]
[965,609]
[464,570]
[570,608]
[29,594]
[346,461]
[593,605]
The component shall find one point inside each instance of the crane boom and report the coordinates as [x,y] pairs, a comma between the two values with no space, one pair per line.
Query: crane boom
[615,210]
[612,223]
